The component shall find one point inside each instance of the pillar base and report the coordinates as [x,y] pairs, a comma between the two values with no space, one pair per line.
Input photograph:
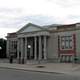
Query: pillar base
[25,60]
[19,61]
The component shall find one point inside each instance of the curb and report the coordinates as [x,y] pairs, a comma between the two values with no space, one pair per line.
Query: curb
[32,70]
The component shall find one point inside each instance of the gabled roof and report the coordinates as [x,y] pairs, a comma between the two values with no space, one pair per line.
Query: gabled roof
[30,27]
[30,24]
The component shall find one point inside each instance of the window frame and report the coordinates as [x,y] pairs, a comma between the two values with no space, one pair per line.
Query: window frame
[66,42]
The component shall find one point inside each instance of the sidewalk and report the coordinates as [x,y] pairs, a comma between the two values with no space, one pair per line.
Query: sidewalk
[66,68]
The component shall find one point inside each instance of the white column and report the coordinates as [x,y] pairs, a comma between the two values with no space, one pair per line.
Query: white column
[40,48]
[35,48]
[21,48]
[45,46]
[18,49]
[26,48]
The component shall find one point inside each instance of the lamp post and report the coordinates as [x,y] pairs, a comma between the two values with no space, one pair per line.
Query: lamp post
[0,47]
[29,46]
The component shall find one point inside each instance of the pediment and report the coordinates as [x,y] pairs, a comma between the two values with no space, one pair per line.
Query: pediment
[30,28]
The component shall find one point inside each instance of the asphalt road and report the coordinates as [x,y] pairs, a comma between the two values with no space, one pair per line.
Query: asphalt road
[8,74]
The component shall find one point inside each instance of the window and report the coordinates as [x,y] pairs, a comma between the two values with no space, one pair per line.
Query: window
[66,42]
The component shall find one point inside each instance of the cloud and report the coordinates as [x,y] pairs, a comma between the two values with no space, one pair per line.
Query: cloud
[18,22]
[66,3]
[38,19]
[10,10]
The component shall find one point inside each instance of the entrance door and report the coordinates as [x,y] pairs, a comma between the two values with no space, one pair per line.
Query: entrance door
[30,49]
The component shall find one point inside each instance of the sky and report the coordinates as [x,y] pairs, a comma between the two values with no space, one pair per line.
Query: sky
[14,14]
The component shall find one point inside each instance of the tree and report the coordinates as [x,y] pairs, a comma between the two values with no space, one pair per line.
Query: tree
[3,48]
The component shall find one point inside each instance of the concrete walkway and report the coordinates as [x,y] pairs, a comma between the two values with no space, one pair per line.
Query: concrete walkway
[66,68]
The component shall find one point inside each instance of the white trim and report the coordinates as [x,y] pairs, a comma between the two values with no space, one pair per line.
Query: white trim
[33,34]
[72,42]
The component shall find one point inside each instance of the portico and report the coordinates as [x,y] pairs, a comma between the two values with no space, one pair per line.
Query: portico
[32,48]
[32,45]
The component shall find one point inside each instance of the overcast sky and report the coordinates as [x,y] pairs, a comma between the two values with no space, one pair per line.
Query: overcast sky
[16,13]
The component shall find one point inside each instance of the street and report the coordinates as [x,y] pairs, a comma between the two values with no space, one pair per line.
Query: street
[9,74]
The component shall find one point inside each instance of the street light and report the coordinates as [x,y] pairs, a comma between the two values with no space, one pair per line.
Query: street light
[29,47]
[0,47]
